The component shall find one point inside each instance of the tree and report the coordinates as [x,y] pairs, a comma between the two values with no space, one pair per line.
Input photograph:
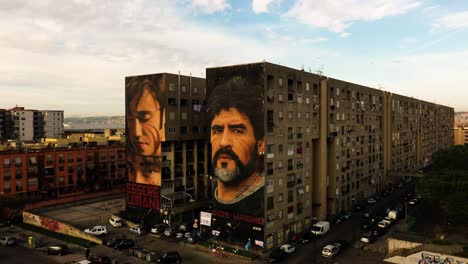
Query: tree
[446,185]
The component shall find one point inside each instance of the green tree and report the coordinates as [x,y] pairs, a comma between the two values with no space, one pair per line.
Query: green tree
[446,185]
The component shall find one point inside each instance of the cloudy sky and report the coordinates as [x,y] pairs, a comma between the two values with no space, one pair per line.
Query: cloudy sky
[74,55]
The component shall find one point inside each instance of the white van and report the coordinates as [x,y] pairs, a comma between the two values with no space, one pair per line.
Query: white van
[320,228]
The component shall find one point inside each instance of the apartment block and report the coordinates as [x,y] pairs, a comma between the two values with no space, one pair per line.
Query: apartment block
[23,124]
[461,135]
[184,143]
[331,143]
[54,172]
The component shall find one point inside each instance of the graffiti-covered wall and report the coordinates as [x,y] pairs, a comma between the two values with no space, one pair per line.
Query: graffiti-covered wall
[236,114]
[56,226]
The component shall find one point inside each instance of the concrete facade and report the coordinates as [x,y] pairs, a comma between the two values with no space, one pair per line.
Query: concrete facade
[331,143]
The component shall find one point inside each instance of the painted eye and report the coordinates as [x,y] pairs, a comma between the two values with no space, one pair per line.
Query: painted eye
[238,131]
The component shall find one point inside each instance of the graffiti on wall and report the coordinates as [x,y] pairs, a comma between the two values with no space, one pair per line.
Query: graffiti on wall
[427,258]
[50,224]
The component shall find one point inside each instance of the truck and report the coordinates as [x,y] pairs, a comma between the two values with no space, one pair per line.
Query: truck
[320,228]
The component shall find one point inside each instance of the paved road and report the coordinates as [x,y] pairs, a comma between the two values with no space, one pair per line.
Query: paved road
[350,231]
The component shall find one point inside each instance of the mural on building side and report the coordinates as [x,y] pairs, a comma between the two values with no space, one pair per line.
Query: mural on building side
[145,105]
[236,114]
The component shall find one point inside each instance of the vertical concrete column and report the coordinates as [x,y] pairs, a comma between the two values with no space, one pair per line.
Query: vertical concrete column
[319,194]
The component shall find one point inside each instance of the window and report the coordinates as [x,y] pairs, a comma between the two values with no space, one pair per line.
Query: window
[270,151]
[280,164]
[280,148]
[280,115]
[183,130]
[280,97]
[70,158]
[280,198]
[290,196]
[171,130]
[32,182]
[6,187]
[184,115]
[183,89]
[290,115]
[171,87]
[18,162]
[270,168]
[307,100]
[6,163]
[19,186]
[61,158]
[270,203]
[195,90]
[307,86]
[171,115]
[280,82]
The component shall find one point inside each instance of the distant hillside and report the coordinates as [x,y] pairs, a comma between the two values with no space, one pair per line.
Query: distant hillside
[94,122]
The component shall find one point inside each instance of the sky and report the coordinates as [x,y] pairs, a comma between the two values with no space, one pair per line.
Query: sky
[73,55]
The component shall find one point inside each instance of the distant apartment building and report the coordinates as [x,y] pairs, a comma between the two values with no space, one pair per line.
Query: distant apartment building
[461,135]
[52,172]
[23,124]
[461,118]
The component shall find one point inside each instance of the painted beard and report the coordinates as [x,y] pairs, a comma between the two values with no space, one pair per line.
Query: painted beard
[240,172]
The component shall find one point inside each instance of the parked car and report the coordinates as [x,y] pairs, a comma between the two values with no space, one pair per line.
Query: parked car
[333,249]
[329,251]
[159,228]
[388,220]
[277,255]
[99,259]
[124,244]
[169,231]
[115,222]
[57,249]
[170,257]
[111,242]
[371,200]
[367,236]
[97,230]
[183,226]
[7,241]
[138,230]
[383,224]
[288,248]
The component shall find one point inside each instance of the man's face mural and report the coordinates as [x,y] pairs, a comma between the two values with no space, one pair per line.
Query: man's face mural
[146,125]
[234,146]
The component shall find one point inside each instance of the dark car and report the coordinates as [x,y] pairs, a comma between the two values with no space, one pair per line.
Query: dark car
[277,255]
[111,242]
[124,244]
[159,229]
[368,236]
[170,257]
[58,249]
[97,259]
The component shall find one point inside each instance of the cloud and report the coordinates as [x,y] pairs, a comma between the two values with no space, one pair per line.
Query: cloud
[338,15]
[453,21]
[261,6]
[314,40]
[209,6]
[77,52]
